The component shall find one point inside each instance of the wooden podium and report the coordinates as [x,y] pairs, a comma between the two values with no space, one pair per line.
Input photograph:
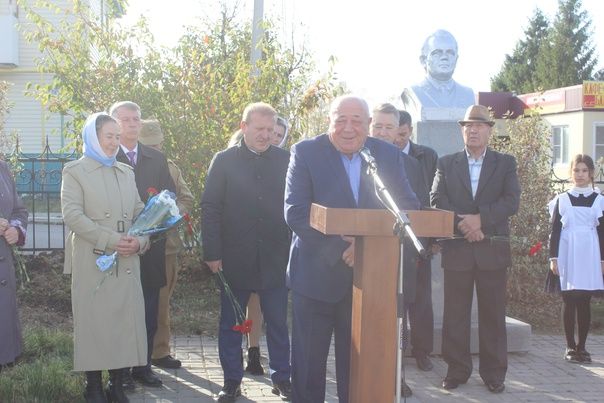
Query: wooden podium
[374,332]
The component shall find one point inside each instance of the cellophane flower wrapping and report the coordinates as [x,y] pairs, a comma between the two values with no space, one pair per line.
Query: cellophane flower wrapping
[159,215]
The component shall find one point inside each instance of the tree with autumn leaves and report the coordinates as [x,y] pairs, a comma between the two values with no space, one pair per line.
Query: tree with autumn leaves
[197,89]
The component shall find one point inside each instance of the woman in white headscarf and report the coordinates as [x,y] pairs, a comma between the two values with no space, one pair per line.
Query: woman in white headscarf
[99,202]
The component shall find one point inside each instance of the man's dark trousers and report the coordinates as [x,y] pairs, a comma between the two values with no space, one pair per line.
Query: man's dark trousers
[273,302]
[491,294]
[421,315]
[151,297]
[313,324]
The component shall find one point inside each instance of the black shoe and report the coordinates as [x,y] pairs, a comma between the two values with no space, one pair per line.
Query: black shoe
[424,363]
[115,387]
[230,392]
[167,362]
[253,361]
[405,389]
[583,356]
[451,383]
[283,390]
[495,387]
[127,381]
[147,378]
[94,392]
[571,355]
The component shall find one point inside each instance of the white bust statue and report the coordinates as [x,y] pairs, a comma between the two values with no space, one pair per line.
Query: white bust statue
[438,89]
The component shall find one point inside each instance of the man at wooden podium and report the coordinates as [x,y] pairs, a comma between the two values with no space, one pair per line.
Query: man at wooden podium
[481,186]
[329,170]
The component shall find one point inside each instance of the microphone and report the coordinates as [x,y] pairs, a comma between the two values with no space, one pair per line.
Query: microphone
[366,155]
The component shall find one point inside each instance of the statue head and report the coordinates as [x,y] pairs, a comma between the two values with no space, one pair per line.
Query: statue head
[439,55]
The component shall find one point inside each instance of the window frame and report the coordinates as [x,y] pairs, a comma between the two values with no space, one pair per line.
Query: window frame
[564,146]
[595,139]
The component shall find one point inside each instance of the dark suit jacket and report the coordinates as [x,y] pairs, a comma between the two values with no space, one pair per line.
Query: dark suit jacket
[427,159]
[416,180]
[151,170]
[497,199]
[242,216]
[316,175]
[410,255]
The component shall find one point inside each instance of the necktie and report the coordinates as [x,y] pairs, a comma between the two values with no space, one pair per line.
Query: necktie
[131,155]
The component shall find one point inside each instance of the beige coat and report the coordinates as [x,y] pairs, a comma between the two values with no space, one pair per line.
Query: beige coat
[108,308]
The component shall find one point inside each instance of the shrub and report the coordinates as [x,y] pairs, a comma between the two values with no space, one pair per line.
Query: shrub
[527,138]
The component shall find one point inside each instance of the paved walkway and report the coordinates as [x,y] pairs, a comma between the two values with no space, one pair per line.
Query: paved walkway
[538,376]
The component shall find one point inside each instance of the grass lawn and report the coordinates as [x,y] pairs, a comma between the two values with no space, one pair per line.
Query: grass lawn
[43,373]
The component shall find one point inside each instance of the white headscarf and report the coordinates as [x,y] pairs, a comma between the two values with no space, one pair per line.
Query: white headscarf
[92,147]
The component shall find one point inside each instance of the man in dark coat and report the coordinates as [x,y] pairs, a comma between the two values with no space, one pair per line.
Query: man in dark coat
[386,125]
[244,235]
[481,186]
[328,170]
[421,315]
[150,171]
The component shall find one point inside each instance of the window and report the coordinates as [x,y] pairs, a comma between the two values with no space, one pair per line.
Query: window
[598,141]
[560,144]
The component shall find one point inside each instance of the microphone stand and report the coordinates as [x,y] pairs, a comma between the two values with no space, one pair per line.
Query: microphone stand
[401,227]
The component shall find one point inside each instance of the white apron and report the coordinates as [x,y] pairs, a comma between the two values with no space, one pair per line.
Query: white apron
[579,251]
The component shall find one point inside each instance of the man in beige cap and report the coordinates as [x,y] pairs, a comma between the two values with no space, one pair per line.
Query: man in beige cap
[481,186]
[151,135]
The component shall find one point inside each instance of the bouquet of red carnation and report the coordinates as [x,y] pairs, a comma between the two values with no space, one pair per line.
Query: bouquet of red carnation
[242,324]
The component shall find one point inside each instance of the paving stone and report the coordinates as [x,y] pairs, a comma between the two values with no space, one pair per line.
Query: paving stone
[541,375]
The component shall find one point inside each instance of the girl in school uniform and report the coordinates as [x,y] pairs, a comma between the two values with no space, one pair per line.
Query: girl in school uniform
[576,250]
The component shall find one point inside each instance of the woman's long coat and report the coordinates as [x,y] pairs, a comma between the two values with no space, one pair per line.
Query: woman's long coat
[108,308]
[11,209]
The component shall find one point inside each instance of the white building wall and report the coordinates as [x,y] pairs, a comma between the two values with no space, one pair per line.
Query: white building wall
[27,116]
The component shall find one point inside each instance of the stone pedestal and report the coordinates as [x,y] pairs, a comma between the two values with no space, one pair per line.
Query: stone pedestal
[442,136]
[519,333]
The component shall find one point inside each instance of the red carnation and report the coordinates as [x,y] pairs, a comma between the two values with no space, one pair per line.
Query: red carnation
[247,326]
[151,191]
[244,328]
[535,248]
[187,219]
